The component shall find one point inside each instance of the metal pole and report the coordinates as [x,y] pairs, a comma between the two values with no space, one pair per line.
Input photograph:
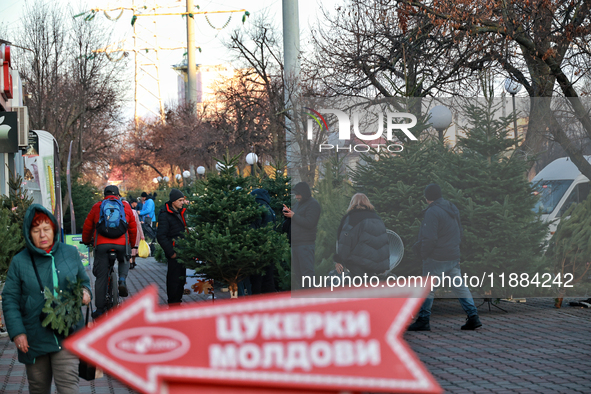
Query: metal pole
[191,96]
[291,67]
[514,121]
[69,181]
[136,77]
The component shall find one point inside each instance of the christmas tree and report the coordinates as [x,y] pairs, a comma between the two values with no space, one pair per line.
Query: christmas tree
[221,234]
[13,242]
[481,176]
[12,214]
[570,250]
[84,196]
[334,193]
[487,181]
[278,184]
[17,201]
[395,185]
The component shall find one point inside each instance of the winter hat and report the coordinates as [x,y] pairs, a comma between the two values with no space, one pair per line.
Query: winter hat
[111,190]
[432,192]
[303,190]
[175,194]
[144,194]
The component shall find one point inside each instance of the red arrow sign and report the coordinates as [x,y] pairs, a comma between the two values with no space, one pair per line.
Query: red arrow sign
[322,344]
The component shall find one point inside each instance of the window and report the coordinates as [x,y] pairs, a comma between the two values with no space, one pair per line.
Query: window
[579,194]
[550,193]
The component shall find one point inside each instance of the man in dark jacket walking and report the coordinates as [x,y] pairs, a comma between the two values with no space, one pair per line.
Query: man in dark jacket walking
[172,226]
[264,283]
[439,248]
[304,222]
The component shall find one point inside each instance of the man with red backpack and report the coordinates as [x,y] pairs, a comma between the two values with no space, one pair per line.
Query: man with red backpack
[110,225]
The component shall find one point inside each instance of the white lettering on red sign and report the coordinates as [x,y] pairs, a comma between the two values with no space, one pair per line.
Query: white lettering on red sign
[295,355]
[280,326]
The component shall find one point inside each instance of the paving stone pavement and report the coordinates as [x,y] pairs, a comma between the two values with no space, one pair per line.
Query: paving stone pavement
[534,348]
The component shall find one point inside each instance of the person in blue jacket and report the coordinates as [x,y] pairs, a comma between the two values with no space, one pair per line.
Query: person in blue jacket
[57,264]
[148,209]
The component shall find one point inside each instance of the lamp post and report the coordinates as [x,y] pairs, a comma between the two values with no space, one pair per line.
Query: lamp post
[155,180]
[201,170]
[252,159]
[440,118]
[513,87]
[186,176]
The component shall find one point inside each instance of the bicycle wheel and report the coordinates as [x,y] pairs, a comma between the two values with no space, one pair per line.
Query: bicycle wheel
[114,290]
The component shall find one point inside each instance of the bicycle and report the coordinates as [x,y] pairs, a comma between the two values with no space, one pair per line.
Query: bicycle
[112,296]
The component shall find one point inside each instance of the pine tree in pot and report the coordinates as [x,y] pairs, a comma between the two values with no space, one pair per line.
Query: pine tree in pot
[487,182]
[221,233]
[570,251]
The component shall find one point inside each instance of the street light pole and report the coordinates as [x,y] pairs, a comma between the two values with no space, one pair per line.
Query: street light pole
[514,120]
[513,87]
[191,95]
[252,159]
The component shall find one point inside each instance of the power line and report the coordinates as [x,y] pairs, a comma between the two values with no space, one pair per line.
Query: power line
[145,47]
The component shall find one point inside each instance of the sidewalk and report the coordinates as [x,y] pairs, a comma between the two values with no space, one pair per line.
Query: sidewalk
[534,348]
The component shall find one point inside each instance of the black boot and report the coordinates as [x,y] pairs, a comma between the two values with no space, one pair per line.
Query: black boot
[123,288]
[422,324]
[472,323]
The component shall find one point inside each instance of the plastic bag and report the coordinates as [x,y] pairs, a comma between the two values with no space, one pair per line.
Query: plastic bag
[143,250]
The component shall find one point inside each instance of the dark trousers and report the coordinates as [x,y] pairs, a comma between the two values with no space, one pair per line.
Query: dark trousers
[302,264]
[100,270]
[265,283]
[175,281]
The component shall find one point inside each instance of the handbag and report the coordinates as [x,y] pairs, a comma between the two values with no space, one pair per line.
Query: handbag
[143,249]
[85,370]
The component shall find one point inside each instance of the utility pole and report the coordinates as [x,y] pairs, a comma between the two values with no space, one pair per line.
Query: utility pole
[191,96]
[145,45]
[291,69]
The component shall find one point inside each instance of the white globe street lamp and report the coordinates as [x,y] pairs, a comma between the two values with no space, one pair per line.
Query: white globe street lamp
[178,177]
[186,174]
[219,166]
[440,118]
[200,170]
[252,159]
[155,180]
[166,179]
[513,87]
[159,178]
